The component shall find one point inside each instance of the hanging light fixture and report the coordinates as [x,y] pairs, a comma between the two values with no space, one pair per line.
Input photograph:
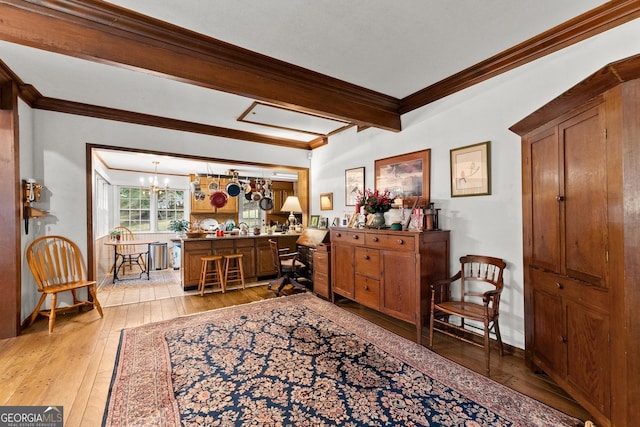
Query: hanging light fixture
[154,184]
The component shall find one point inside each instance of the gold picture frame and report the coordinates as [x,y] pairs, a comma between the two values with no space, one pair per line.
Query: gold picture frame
[471,170]
[406,176]
[326,201]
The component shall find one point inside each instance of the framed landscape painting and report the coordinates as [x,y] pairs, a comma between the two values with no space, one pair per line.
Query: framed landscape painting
[406,176]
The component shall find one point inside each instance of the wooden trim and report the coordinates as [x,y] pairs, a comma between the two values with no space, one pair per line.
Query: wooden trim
[602,80]
[88,110]
[10,212]
[589,24]
[101,32]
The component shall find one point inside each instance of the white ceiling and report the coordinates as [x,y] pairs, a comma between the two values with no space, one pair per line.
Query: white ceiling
[395,48]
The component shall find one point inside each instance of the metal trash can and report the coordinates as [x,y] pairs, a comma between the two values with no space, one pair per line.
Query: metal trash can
[176,249]
[157,256]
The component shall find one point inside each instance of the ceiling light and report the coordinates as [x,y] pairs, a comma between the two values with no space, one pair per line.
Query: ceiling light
[154,185]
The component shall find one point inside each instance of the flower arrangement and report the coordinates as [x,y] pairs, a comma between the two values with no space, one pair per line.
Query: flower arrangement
[375,201]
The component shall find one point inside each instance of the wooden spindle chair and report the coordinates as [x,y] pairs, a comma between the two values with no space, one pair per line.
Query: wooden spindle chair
[57,266]
[478,286]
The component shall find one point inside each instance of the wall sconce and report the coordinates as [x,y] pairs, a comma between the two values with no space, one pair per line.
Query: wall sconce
[326,201]
[32,193]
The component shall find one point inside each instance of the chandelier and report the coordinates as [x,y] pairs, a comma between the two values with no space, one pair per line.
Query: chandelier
[154,184]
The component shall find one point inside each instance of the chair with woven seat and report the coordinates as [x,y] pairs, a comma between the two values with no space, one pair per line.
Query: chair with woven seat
[287,265]
[57,266]
[130,254]
[476,298]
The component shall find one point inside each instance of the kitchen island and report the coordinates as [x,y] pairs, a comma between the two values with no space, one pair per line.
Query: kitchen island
[257,261]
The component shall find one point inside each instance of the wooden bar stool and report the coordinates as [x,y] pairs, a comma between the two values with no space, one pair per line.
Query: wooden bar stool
[233,270]
[213,276]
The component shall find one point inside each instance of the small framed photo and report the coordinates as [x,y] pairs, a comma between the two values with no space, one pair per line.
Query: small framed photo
[314,221]
[336,222]
[471,170]
[324,222]
[353,183]
[353,220]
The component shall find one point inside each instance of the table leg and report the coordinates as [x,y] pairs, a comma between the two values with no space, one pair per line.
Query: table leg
[115,263]
[147,264]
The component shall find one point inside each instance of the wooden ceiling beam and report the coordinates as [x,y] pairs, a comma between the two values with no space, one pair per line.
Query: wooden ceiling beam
[88,110]
[105,33]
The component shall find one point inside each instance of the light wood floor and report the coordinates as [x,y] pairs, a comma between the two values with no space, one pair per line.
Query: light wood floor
[73,366]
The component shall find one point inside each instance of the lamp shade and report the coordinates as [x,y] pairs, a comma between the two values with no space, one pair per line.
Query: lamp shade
[292,204]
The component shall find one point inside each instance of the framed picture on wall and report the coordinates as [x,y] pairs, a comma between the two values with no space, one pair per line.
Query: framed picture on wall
[471,170]
[406,176]
[353,183]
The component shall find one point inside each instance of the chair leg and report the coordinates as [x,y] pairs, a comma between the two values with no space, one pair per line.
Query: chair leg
[94,294]
[431,320]
[203,272]
[487,347]
[221,276]
[52,313]
[496,328]
[36,311]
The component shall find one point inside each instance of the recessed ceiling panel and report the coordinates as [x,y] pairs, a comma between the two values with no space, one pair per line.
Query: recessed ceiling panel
[283,118]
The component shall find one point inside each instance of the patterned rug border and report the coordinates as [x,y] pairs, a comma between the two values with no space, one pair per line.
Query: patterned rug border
[519,409]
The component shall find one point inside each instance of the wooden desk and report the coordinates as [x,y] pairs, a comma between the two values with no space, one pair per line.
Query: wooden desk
[116,255]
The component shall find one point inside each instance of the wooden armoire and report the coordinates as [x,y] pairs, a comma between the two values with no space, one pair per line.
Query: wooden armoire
[581,237]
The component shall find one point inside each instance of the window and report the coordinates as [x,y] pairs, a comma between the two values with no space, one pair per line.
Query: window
[135,208]
[102,195]
[250,213]
[144,210]
[169,206]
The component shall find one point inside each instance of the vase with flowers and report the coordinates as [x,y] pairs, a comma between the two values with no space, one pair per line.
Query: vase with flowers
[377,203]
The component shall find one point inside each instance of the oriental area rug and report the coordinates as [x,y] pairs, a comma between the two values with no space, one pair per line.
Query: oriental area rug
[300,361]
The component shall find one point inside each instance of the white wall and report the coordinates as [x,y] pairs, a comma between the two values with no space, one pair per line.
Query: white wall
[490,225]
[486,224]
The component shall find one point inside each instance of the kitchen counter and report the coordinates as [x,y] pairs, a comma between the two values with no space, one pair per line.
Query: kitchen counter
[257,261]
[227,236]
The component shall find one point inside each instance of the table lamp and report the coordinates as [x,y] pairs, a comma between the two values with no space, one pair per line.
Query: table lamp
[292,204]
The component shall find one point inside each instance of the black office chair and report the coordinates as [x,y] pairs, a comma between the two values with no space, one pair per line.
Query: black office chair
[288,267]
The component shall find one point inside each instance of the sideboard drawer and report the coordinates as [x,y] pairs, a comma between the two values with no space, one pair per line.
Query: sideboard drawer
[367,291]
[367,262]
[395,242]
[347,237]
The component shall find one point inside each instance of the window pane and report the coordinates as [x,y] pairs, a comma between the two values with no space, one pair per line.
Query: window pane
[135,210]
[169,206]
[250,213]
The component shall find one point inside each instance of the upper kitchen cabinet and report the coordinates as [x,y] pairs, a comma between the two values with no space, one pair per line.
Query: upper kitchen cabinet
[200,202]
[580,192]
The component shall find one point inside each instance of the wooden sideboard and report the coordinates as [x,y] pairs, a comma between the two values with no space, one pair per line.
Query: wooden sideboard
[389,271]
[256,261]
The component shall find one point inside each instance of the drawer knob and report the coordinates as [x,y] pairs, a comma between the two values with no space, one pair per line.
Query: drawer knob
[367,257]
[366,288]
[338,234]
[375,239]
[559,285]
[355,237]
[561,338]
[400,242]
